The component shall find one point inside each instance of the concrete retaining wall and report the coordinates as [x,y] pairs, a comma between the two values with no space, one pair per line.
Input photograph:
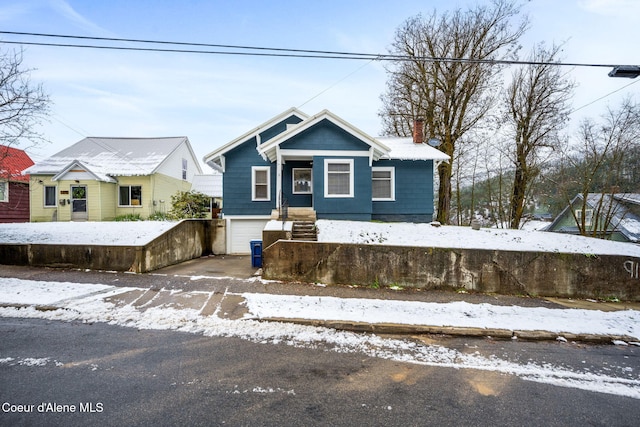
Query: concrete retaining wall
[491,271]
[189,239]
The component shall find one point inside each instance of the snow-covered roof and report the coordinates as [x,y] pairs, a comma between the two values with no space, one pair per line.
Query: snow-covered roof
[210,184]
[617,206]
[12,162]
[406,149]
[108,157]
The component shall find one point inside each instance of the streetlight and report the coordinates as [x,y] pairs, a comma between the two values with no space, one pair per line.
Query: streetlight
[628,71]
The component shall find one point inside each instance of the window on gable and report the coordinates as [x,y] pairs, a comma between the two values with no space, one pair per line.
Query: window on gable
[383,183]
[184,169]
[130,195]
[261,183]
[4,191]
[338,177]
[588,216]
[49,195]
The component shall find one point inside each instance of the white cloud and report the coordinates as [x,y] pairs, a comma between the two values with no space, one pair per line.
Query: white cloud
[69,13]
[628,9]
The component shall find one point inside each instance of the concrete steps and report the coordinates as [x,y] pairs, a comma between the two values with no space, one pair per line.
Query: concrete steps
[304,230]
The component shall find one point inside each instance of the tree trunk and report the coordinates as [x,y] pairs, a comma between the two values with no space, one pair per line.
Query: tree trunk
[517,197]
[444,193]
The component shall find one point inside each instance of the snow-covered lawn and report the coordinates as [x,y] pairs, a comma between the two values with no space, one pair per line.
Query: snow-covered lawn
[117,233]
[403,234]
[406,234]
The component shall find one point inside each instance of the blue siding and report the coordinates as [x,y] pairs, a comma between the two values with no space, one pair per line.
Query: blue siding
[413,192]
[278,128]
[237,181]
[324,136]
[413,179]
[237,175]
[353,208]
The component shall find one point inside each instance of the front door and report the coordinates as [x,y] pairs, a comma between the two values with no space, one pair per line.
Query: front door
[79,203]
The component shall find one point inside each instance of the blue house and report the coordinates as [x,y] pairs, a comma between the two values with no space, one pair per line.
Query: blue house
[321,166]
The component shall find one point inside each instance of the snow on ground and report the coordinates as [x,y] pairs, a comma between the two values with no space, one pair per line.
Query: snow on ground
[457,313]
[402,234]
[407,234]
[18,291]
[94,307]
[117,233]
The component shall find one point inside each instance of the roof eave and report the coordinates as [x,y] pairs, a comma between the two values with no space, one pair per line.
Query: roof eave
[247,135]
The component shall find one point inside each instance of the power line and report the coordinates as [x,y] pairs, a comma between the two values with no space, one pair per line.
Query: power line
[267,51]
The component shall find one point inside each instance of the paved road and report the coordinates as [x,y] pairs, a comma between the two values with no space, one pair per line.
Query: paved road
[110,375]
[157,378]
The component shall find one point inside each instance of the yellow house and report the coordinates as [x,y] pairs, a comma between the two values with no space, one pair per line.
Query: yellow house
[98,179]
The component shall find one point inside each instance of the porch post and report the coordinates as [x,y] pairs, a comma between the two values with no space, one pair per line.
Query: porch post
[278,178]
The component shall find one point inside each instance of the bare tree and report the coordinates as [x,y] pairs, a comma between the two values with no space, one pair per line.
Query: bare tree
[598,164]
[450,78]
[23,105]
[537,108]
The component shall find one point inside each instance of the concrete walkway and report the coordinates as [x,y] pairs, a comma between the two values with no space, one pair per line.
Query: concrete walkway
[234,278]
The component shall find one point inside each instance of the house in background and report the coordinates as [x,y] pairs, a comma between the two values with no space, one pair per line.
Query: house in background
[321,166]
[614,216]
[14,186]
[98,179]
[210,185]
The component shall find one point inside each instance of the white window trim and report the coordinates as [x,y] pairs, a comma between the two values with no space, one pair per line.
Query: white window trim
[588,218]
[255,169]
[392,197]
[293,181]
[55,196]
[326,178]
[5,184]
[130,198]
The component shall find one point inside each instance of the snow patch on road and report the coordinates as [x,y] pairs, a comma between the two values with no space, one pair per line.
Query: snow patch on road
[93,308]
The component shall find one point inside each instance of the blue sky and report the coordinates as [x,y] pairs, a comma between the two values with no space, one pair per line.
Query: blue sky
[214,98]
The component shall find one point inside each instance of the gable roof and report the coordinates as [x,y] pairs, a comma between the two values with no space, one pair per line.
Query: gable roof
[380,148]
[108,157]
[12,162]
[623,208]
[269,148]
[215,159]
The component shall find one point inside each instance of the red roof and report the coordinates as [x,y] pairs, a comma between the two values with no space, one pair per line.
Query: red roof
[12,162]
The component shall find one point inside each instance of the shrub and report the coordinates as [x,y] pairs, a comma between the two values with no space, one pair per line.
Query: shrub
[159,216]
[128,217]
[189,204]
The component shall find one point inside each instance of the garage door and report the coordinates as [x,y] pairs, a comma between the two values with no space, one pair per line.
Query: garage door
[243,231]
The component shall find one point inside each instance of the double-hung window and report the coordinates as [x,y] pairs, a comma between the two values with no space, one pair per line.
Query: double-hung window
[338,177]
[49,196]
[383,183]
[260,183]
[184,169]
[130,195]
[4,191]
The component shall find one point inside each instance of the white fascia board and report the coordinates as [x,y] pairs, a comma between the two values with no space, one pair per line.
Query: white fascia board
[309,154]
[78,163]
[268,148]
[247,135]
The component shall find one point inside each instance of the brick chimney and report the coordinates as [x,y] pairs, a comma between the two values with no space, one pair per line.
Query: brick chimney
[418,130]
